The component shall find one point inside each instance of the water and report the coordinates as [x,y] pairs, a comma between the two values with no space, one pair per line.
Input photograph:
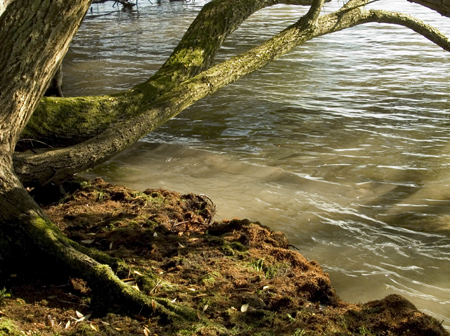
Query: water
[343,144]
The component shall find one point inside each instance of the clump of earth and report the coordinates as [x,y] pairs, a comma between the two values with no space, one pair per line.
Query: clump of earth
[240,277]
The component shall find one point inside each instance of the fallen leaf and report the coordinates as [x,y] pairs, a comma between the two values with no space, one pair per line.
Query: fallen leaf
[244,308]
[136,272]
[87,241]
[140,317]
[67,325]
[79,315]
[146,331]
[205,307]
[94,327]
[174,300]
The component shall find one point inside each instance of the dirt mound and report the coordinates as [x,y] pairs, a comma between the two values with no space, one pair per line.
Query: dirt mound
[240,277]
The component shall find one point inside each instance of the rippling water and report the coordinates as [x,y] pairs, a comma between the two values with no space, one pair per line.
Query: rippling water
[343,144]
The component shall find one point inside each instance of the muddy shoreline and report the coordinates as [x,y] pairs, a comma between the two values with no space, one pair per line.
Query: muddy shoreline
[240,277]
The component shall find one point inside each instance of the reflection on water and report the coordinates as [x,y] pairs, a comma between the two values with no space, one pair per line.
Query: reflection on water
[343,144]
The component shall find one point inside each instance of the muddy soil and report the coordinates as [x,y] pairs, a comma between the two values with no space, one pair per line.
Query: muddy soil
[241,277]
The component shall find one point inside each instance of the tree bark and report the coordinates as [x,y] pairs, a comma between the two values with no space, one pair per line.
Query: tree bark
[440,6]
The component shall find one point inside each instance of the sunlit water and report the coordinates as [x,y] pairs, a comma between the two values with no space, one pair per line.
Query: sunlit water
[343,144]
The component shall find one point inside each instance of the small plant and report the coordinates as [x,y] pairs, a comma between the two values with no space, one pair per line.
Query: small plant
[4,294]
[365,331]
[291,319]
[258,265]
[299,332]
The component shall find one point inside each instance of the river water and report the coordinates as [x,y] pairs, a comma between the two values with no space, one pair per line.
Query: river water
[343,144]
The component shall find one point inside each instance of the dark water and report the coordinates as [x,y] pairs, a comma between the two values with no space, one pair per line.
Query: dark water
[343,144]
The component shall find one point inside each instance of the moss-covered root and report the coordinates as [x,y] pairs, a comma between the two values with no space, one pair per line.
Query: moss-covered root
[120,267]
[108,290]
[107,287]
[51,246]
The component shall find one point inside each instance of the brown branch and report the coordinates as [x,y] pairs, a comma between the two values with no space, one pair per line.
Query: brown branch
[440,6]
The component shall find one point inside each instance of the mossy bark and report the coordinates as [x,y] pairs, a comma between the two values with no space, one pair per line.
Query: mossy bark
[60,122]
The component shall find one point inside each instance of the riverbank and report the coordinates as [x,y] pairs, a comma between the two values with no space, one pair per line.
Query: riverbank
[242,278]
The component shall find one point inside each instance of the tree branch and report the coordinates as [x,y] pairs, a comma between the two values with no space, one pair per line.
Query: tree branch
[440,6]
[67,121]
[58,165]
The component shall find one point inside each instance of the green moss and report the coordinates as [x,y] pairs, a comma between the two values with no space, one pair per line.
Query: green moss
[83,330]
[204,328]
[9,328]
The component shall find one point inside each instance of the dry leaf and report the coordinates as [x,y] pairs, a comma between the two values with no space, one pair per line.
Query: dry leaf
[79,315]
[67,325]
[244,308]
[174,300]
[136,272]
[87,241]
[94,327]
[146,331]
[205,307]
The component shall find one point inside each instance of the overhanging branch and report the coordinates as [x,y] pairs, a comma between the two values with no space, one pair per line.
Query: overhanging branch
[440,6]
[57,165]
